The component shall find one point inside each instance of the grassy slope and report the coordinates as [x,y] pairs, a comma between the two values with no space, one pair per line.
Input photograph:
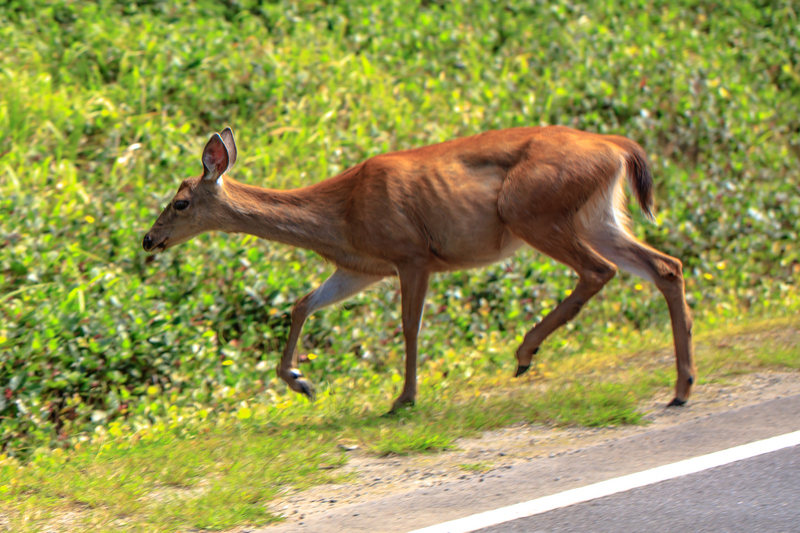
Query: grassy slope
[104,108]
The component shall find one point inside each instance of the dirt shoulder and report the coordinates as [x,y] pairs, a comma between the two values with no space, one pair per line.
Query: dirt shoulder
[376,477]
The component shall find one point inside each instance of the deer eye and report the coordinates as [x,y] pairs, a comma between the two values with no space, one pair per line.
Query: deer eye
[180,205]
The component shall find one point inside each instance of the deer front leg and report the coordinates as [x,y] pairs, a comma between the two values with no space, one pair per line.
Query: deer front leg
[413,287]
[341,285]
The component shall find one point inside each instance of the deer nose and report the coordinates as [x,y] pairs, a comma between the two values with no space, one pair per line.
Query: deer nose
[147,243]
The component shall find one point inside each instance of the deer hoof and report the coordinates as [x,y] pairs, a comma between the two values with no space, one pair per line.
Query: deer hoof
[305,388]
[399,405]
[521,369]
[676,402]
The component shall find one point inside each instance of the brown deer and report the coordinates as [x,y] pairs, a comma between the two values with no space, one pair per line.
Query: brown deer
[464,203]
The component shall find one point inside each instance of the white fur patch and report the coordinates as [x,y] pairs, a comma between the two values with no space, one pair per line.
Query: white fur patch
[338,287]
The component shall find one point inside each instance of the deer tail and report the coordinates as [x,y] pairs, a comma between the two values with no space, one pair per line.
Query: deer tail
[639,176]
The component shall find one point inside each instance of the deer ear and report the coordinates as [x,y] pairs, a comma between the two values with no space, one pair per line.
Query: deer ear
[215,158]
[230,144]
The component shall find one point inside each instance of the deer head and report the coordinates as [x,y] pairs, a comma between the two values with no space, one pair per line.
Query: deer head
[200,204]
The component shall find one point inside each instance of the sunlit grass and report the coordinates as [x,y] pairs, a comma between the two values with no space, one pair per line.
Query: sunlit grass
[221,472]
[475,467]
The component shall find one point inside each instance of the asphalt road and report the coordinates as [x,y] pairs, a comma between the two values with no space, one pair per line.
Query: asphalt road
[761,494]
[581,467]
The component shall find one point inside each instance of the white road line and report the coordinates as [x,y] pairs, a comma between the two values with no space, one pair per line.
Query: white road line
[613,486]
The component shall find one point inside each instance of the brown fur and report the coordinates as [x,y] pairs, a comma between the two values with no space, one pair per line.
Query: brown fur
[460,204]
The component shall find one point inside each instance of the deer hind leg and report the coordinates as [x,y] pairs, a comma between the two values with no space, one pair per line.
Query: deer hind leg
[341,285]
[593,270]
[545,205]
[666,273]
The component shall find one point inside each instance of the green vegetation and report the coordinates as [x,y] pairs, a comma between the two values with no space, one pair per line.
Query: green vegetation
[198,471]
[113,363]
[476,467]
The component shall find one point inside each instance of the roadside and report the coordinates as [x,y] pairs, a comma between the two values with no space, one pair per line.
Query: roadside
[496,452]
[249,471]
[728,383]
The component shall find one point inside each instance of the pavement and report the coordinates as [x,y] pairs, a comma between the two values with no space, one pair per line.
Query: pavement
[757,494]
[579,467]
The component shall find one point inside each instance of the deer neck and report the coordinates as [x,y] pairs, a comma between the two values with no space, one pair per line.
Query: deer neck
[297,217]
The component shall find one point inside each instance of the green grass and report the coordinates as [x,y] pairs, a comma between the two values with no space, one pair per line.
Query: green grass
[786,357]
[162,483]
[475,467]
[107,353]
[416,440]
[221,472]
[598,404]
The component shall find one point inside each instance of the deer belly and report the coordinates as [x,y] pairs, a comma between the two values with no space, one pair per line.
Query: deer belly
[478,251]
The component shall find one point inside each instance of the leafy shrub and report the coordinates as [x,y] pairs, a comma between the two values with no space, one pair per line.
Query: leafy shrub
[104,108]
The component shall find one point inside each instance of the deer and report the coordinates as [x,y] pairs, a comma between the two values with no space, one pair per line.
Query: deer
[460,204]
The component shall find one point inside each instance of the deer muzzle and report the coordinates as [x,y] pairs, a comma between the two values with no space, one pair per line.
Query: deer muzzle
[150,245]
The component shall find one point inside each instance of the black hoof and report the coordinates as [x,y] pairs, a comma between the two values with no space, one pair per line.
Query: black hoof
[306,389]
[400,406]
[676,402]
[521,369]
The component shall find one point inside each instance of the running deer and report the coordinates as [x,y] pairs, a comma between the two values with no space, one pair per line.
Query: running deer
[464,203]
